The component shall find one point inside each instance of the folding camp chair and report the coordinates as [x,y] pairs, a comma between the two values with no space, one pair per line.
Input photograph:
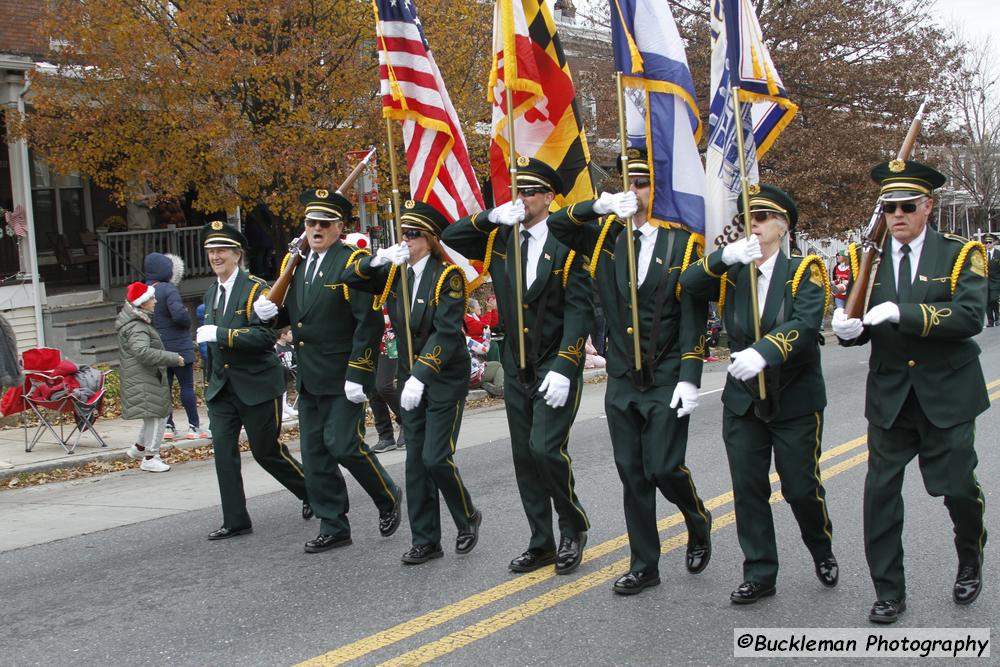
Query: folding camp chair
[45,394]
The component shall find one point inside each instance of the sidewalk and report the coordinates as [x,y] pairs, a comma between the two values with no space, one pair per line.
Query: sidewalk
[119,435]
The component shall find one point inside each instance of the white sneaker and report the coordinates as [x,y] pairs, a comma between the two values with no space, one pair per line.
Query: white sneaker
[135,453]
[154,464]
[169,432]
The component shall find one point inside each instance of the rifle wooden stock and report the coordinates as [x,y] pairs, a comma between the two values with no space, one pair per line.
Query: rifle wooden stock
[299,246]
[874,235]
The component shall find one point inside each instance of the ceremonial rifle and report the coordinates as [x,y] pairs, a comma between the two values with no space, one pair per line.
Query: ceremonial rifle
[873,236]
[298,247]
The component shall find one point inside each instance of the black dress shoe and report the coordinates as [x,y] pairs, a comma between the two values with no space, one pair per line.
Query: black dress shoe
[570,553]
[384,445]
[886,611]
[388,522]
[225,533]
[421,553]
[635,582]
[469,536]
[531,560]
[968,583]
[828,572]
[325,543]
[749,592]
[307,511]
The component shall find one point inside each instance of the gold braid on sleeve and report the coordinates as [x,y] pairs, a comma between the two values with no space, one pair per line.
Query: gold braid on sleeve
[801,271]
[595,256]
[486,262]
[689,251]
[566,267]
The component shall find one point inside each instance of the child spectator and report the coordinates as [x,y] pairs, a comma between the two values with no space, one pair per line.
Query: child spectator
[145,393]
[286,353]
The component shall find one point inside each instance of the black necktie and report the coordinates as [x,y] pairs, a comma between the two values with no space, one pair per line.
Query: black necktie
[311,271]
[904,283]
[411,278]
[220,306]
[526,235]
[637,242]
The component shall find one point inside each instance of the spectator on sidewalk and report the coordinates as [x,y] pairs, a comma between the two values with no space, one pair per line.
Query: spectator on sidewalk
[385,401]
[840,276]
[286,354]
[172,321]
[479,325]
[145,393]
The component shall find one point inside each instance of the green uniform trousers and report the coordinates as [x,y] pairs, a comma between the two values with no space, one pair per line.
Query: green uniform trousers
[431,431]
[332,431]
[650,444]
[539,436]
[947,463]
[796,446]
[262,422]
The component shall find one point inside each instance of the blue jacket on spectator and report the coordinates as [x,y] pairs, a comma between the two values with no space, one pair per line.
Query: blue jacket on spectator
[171,317]
[199,312]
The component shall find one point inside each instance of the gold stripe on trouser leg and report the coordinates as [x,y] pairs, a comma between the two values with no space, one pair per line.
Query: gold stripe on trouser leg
[819,479]
[569,464]
[368,457]
[284,450]
[451,462]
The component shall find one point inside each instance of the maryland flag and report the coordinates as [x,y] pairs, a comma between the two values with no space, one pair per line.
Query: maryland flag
[528,58]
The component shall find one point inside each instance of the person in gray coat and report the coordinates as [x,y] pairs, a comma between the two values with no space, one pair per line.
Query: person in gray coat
[145,393]
[173,322]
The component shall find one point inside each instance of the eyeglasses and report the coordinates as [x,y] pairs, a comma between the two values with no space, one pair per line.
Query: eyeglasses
[640,183]
[412,234]
[530,192]
[760,216]
[312,222]
[908,207]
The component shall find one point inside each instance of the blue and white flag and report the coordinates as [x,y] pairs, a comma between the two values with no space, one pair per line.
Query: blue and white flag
[662,113]
[739,59]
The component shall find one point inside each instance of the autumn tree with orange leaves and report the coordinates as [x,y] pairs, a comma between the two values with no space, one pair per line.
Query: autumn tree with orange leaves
[247,102]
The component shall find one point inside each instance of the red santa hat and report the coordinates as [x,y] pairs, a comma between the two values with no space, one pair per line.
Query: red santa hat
[139,293]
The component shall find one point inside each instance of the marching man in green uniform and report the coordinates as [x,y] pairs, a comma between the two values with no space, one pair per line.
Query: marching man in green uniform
[647,410]
[434,389]
[925,383]
[542,399]
[793,295]
[993,273]
[336,335]
[245,381]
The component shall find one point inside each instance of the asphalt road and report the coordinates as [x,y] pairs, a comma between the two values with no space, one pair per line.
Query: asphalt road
[147,588]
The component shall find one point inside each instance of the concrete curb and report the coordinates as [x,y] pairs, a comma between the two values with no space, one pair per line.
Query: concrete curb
[80,460]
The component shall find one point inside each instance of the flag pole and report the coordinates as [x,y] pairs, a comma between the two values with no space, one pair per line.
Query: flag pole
[518,278]
[738,117]
[631,258]
[398,229]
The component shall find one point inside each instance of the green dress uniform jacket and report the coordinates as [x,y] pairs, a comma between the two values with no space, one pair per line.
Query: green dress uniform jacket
[925,389]
[792,422]
[649,440]
[442,364]
[336,335]
[244,387]
[558,313]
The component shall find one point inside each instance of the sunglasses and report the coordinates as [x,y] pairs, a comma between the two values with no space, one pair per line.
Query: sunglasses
[908,207]
[640,183]
[412,234]
[312,222]
[531,192]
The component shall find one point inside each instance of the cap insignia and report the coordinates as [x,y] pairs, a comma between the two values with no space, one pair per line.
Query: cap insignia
[632,153]
[523,161]
[409,203]
[897,166]
[753,189]
[322,194]
[217,225]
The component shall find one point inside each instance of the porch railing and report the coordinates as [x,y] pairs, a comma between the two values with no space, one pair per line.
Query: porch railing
[121,253]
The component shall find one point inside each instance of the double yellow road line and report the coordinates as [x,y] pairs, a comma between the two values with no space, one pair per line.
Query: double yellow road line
[550,598]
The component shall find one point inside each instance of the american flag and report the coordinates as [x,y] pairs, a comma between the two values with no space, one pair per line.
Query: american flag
[16,221]
[414,93]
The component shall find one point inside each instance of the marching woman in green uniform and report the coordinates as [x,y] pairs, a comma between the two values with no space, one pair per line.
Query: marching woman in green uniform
[336,335]
[925,382]
[647,411]
[542,400]
[434,390]
[793,294]
[244,381]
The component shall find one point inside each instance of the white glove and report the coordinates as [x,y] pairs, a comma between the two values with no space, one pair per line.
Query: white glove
[622,204]
[846,328]
[509,214]
[555,387]
[265,309]
[686,396]
[412,392]
[884,312]
[743,251]
[746,364]
[207,333]
[355,392]
[395,254]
